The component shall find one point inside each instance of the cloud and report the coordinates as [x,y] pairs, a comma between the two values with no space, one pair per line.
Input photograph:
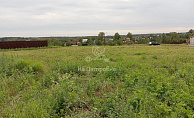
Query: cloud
[48,17]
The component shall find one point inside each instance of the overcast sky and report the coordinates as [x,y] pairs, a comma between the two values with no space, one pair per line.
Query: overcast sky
[89,17]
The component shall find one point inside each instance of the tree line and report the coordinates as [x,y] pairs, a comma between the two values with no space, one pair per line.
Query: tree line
[117,39]
[166,38]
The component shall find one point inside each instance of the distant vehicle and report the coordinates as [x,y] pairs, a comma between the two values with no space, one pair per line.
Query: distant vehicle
[154,43]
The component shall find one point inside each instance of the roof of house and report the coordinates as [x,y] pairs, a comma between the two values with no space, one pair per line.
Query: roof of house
[75,40]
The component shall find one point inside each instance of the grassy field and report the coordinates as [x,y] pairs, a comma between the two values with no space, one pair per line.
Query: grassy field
[126,81]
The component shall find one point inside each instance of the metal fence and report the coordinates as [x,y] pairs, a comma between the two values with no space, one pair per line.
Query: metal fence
[22,44]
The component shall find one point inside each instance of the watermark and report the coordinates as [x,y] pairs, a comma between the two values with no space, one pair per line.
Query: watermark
[91,69]
[98,54]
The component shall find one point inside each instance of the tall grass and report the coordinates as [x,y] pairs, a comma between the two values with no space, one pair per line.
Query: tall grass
[151,83]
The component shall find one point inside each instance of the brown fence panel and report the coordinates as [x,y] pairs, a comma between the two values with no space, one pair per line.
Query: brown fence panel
[22,44]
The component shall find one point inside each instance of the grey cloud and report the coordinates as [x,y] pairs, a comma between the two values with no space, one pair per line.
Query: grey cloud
[87,15]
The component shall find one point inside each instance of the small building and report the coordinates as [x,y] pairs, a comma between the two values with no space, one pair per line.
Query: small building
[75,42]
[192,41]
[128,39]
[84,40]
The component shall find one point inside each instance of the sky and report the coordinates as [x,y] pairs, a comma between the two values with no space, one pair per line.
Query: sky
[34,18]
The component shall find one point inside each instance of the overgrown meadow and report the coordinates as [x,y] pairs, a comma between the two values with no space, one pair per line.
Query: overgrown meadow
[142,81]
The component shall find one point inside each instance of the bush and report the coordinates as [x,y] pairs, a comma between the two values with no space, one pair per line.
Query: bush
[29,66]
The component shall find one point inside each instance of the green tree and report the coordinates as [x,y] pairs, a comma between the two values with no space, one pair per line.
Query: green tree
[158,39]
[101,37]
[152,38]
[57,42]
[49,42]
[111,43]
[146,40]
[129,35]
[98,42]
[140,41]
[190,33]
[120,42]
[116,37]
[164,38]
[68,43]
[174,37]
[90,41]
[143,40]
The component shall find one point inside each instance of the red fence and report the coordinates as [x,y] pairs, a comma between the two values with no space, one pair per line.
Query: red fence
[22,44]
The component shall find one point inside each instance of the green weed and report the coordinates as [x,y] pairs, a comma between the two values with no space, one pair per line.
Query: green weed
[48,82]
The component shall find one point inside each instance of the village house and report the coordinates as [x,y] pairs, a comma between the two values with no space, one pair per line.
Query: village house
[192,41]
[75,42]
[128,39]
[84,40]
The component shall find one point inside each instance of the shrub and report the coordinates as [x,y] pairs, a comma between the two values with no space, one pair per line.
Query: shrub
[29,66]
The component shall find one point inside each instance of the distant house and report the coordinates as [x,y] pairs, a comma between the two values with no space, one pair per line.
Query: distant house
[128,39]
[84,40]
[75,42]
[123,40]
[192,41]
